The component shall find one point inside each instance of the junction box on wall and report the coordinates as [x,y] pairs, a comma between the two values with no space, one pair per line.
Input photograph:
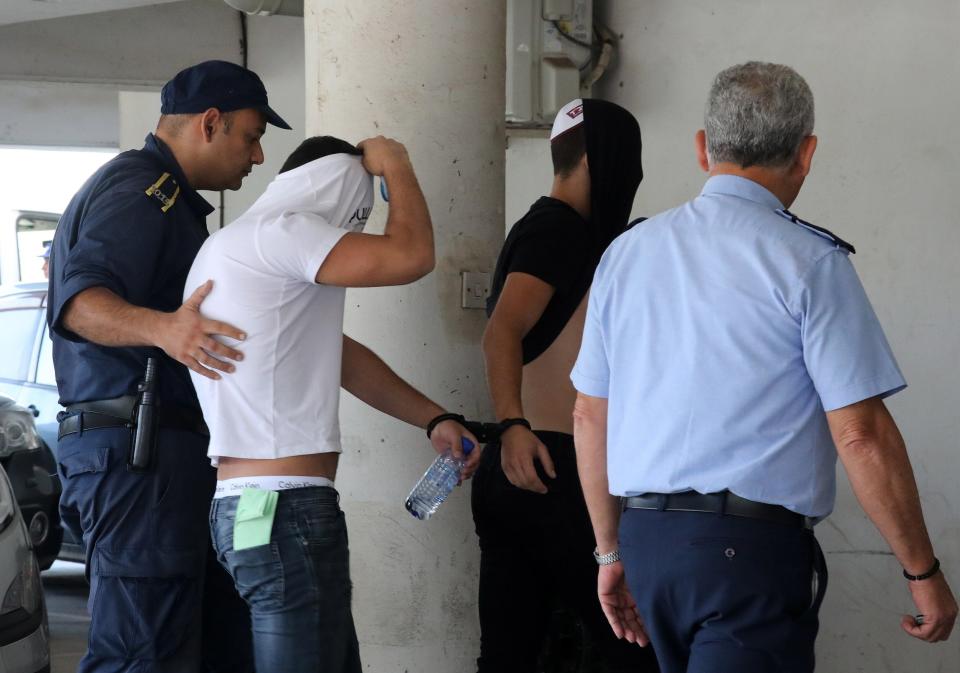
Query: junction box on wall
[548,46]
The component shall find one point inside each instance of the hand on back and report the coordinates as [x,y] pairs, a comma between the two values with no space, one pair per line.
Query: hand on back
[187,337]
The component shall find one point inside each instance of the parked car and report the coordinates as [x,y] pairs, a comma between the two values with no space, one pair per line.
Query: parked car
[26,378]
[24,635]
[23,236]
[32,471]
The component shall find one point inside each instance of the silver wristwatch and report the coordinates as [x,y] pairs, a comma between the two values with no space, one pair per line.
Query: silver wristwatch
[606,559]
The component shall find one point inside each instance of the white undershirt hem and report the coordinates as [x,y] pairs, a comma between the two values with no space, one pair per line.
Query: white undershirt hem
[234,487]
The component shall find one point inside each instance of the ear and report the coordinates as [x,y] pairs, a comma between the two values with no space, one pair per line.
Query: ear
[805,156]
[700,142]
[210,123]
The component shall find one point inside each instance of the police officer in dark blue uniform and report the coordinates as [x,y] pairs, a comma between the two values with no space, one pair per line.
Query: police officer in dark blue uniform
[159,601]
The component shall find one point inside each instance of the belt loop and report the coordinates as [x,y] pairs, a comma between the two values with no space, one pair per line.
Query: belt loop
[723,503]
[80,423]
[662,502]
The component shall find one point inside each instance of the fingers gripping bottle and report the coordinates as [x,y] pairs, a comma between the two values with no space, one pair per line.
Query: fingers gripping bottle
[437,482]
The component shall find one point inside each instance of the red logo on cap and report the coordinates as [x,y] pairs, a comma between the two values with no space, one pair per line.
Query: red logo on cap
[575,112]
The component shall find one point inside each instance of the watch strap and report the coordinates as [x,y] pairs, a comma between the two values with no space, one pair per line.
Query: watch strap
[606,559]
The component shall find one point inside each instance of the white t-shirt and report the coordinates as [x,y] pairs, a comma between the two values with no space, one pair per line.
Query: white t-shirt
[283,399]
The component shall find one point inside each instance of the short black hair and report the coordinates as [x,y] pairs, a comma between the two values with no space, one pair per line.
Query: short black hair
[567,149]
[315,148]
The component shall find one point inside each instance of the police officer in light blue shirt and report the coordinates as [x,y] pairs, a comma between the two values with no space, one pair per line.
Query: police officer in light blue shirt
[729,354]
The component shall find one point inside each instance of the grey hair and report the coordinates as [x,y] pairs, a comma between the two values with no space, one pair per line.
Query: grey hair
[757,114]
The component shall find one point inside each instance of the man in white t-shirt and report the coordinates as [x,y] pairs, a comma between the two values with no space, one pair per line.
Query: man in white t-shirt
[279,272]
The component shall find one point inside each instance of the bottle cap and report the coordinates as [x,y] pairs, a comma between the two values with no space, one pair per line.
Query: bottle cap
[467,446]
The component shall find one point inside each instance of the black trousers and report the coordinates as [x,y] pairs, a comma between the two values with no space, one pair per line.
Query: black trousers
[536,557]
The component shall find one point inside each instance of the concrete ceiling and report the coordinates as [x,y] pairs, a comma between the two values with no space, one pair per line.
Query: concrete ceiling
[19,11]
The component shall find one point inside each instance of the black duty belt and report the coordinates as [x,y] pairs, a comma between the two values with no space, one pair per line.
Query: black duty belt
[716,503]
[119,412]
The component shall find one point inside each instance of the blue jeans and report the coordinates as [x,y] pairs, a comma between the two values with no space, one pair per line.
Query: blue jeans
[297,586]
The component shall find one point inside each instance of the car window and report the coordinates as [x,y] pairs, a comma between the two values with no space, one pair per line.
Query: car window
[45,375]
[34,234]
[18,333]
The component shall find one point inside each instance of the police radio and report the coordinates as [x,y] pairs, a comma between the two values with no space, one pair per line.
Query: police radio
[145,432]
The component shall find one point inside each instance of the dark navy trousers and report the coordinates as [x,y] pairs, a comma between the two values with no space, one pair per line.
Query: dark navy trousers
[159,601]
[724,594]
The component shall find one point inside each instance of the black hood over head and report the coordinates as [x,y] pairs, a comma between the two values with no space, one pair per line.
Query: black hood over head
[612,142]
[613,156]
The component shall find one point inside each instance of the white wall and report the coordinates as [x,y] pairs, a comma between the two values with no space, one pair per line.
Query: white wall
[275,52]
[53,114]
[129,48]
[887,89]
[529,171]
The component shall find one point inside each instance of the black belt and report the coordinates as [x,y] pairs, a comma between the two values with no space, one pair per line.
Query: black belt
[118,413]
[716,503]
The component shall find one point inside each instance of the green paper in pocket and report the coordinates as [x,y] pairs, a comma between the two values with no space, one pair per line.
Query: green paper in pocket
[254,520]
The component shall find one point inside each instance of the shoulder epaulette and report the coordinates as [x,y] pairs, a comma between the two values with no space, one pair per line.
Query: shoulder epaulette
[165,190]
[819,231]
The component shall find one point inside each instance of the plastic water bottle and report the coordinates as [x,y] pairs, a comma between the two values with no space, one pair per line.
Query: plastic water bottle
[437,482]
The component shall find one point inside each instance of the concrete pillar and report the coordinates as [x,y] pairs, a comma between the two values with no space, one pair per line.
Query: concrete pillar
[431,74]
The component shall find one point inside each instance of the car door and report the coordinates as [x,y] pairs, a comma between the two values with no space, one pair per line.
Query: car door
[20,320]
[40,393]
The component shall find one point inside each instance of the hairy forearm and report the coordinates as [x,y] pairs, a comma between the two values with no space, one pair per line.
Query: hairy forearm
[408,221]
[590,438]
[875,458]
[368,378]
[100,316]
[503,355]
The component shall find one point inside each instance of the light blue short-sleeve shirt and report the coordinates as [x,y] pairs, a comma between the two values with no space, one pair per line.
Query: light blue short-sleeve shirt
[721,331]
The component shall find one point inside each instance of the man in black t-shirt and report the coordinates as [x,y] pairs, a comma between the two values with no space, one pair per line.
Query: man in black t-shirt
[534,529]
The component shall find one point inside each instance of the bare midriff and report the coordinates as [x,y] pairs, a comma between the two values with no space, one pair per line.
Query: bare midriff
[547,393]
[309,465]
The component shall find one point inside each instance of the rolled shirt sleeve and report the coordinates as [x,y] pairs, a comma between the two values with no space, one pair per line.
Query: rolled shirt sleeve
[844,348]
[118,246]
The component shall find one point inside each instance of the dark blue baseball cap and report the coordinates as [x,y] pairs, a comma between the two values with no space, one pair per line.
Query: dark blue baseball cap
[218,84]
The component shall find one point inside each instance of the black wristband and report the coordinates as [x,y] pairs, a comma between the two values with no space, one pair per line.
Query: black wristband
[507,423]
[924,576]
[444,417]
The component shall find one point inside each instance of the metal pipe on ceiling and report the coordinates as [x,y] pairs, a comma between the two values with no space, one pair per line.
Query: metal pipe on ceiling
[268,7]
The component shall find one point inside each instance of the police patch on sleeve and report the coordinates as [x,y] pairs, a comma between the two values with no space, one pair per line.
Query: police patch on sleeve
[819,231]
[165,190]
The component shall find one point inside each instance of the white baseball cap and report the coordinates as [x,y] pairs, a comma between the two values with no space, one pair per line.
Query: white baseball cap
[570,116]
